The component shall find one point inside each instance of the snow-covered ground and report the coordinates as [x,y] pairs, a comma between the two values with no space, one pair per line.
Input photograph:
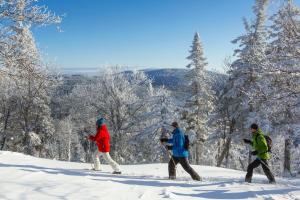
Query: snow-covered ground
[25,177]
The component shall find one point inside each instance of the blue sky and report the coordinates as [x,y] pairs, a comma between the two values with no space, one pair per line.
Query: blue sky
[141,33]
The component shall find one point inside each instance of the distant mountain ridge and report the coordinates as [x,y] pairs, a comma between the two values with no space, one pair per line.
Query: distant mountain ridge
[174,78]
[171,78]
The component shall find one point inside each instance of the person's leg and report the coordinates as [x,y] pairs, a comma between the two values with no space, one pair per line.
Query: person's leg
[250,168]
[111,162]
[172,167]
[267,171]
[187,167]
[97,161]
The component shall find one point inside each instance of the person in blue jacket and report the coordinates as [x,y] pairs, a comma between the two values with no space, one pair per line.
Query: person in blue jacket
[179,153]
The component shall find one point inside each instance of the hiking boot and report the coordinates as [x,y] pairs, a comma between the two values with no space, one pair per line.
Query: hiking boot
[94,169]
[272,182]
[248,180]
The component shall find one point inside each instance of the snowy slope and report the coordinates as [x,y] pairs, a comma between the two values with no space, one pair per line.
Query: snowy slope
[24,177]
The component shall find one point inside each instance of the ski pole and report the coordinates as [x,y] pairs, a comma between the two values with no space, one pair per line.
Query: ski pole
[92,165]
[264,164]
[89,150]
[170,156]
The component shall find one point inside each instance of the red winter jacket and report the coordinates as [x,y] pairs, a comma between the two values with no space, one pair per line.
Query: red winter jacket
[102,139]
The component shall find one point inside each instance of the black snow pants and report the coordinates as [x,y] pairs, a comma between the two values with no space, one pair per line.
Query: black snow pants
[186,166]
[265,167]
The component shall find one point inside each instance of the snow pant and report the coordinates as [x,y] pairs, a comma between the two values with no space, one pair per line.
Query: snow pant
[265,167]
[107,158]
[186,166]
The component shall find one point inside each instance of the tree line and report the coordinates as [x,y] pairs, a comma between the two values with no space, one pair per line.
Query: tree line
[43,114]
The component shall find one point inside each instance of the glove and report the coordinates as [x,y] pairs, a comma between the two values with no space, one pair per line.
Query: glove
[254,153]
[91,137]
[164,140]
[247,141]
[169,147]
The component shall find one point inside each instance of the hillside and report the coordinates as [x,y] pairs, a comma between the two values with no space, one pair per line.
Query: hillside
[25,177]
[176,78]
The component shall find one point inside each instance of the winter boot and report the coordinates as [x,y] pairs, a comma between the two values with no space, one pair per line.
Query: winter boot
[117,172]
[248,180]
[172,177]
[96,169]
[198,179]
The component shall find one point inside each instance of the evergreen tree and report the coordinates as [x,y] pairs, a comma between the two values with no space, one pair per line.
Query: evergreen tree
[285,77]
[200,103]
[243,92]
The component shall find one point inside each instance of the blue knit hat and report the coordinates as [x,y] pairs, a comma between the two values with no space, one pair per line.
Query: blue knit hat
[100,122]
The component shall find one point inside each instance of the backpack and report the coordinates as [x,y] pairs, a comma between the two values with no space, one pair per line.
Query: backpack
[186,144]
[269,142]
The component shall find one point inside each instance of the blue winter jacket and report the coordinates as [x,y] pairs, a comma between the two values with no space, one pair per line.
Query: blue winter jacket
[178,144]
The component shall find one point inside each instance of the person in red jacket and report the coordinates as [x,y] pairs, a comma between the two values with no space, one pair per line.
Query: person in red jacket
[102,139]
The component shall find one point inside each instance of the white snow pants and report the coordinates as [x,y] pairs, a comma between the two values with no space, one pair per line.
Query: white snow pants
[108,159]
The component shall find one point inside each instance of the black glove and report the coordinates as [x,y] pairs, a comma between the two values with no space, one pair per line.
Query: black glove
[253,153]
[164,139]
[169,147]
[247,141]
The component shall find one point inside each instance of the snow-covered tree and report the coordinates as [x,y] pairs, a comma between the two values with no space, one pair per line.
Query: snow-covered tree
[161,112]
[17,17]
[285,78]
[243,92]
[22,64]
[136,112]
[121,99]
[200,103]
[7,108]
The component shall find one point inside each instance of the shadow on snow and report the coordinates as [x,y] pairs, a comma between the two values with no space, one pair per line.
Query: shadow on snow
[150,181]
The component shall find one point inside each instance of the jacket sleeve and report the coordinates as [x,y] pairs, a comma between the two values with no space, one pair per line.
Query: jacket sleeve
[178,142]
[97,136]
[171,141]
[91,137]
[262,146]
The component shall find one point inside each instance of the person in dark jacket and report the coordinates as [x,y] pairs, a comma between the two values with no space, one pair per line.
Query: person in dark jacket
[179,153]
[260,147]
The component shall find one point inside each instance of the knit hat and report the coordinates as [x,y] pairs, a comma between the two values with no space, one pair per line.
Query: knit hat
[100,122]
[254,126]
[175,125]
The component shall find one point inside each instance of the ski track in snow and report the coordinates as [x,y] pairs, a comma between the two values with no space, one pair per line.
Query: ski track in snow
[28,178]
